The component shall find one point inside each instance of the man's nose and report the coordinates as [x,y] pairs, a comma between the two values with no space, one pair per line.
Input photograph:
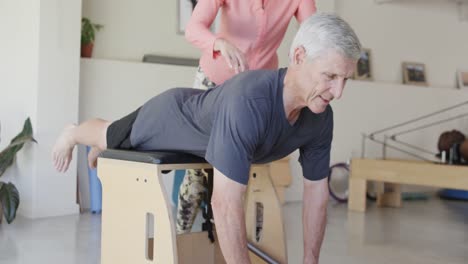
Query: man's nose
[337,89]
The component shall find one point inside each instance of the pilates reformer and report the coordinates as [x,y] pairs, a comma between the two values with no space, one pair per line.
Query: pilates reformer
[138,223]
[388,174]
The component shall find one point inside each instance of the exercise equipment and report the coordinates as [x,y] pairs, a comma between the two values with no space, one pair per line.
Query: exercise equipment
[138,222]
[95,189]
[338,182]
[451,194]
[396,172]
[258,257]
[388,174]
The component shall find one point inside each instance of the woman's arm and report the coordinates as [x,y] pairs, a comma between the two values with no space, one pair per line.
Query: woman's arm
[305,9]
[197,30]
[198,33]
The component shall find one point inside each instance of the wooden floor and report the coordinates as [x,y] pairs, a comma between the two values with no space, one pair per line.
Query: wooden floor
[426,232]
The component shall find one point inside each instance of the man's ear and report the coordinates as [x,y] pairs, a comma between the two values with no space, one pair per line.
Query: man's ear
[299,55]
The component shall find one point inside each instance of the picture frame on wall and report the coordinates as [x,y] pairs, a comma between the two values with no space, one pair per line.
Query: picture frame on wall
[414,73]
[364,66]
[462,78]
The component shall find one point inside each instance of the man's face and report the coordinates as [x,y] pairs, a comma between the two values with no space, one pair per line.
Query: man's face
[323,78]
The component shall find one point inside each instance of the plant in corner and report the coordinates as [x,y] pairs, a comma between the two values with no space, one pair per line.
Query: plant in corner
[9,195]
[88,33]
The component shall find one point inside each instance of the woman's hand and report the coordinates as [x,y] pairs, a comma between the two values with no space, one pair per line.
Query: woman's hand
[233,56]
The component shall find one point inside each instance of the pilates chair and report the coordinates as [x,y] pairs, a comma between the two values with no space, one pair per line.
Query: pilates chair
[137,220]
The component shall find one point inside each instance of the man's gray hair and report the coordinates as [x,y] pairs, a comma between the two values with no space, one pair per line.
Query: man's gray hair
[325,31]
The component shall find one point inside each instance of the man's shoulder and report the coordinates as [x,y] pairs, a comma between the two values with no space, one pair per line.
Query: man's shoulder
[247,105]
[262,75]
[254,84]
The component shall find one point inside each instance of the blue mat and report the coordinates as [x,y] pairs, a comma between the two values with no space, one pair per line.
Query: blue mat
[95,190]
[178,178]
[454,194]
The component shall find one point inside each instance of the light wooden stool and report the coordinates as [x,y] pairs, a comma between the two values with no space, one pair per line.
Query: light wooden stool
[137,220]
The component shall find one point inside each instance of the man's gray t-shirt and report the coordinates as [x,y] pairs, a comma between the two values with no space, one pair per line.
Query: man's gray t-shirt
[238,123]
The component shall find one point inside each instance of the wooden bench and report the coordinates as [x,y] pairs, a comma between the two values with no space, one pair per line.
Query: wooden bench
[400,172]
[138,223]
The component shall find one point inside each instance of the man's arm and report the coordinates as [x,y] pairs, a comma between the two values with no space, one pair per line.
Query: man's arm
[314,217]
[228,210]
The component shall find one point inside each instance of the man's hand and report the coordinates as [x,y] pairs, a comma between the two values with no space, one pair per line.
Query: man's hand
[228,210]
[314,217]
[233,56]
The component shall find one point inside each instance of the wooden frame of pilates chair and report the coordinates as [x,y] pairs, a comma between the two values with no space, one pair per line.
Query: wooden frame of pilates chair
[134,199]
[392,173]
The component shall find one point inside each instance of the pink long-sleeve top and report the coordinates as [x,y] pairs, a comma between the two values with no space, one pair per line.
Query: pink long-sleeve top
[255,27]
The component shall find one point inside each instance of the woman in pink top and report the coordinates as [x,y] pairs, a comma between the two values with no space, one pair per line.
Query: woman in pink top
[249,34]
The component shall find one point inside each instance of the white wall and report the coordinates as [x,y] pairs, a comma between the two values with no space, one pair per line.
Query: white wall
[18,70]
[429,32]
[134,29]
[367,107]
[283,50]
[130,84]
[39,69]
[57,103]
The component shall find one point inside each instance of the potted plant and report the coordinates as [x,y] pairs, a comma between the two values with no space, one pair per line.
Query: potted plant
[88,32]
[9,195]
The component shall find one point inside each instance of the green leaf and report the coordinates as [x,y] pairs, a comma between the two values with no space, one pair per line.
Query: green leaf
[9,195]
[25,133]
[7,156]
[88,30]
[10,200]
